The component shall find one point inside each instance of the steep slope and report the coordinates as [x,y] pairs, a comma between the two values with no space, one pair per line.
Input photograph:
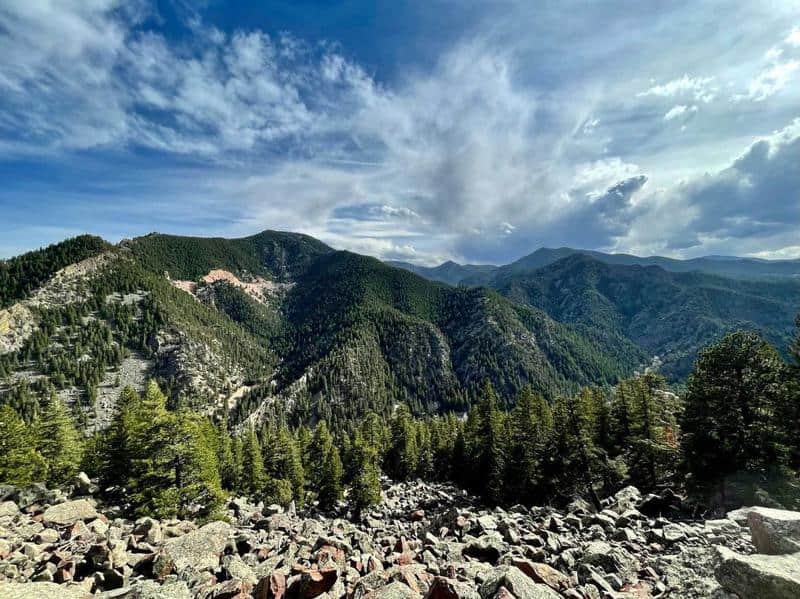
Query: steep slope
[368,332]
[668,314]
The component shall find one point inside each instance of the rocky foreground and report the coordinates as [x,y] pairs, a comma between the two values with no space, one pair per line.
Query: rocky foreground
[425,540]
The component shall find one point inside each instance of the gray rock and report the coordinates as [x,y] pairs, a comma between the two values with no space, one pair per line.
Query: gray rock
[41,590]
[759,576]
[394,590]
[199,549]
[517,582]
[447,588]
[70,512]
[774,531]
[8,509]
[612,560]
[147,589]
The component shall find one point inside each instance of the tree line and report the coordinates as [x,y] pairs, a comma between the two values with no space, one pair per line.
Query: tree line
[732,438]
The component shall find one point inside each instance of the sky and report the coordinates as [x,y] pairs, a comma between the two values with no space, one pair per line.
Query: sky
[422,131]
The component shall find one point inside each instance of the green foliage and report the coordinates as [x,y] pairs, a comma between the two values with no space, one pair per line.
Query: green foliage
[167,460]
[734,435]
[58,442]
[20,464]
[330,483]
[253,476]
[365,488]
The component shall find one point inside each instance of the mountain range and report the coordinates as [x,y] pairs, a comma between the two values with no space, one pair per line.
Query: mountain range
[281,325]
[729,266]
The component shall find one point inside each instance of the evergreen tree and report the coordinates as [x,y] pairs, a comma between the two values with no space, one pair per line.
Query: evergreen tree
[330,481]
[253,477]
[225,455]
[486,444]
[732,440]
[531,423]
[402,459]
[366,485]
[20,463]
[58,442]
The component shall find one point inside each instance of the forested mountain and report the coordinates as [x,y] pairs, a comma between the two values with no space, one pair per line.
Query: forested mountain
[671,315]
[276,323]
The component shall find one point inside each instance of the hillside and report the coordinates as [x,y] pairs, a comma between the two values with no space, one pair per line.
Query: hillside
[277,323]
[668,314]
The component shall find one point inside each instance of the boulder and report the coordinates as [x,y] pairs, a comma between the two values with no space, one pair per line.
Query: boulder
[148,589]
[199,549]
[447,588]
[544,574]
[515,581]
[774,531]
[41,590]
[759,576]
[8,509]
[612,560]
[70,512]
[394,590]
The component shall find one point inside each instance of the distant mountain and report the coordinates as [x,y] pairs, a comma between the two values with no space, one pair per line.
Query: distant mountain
[669,314]
[274,324]
[728,266]
[448,272]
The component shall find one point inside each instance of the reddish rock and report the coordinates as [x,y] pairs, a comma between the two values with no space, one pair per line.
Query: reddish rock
[544,574]
[271,587]
[418,516]
[233,589]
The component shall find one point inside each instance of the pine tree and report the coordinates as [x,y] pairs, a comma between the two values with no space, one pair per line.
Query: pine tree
[330,481]
[20,463]
[254,478]
[732,440]
[58,442]
[402,459]
[485,447]
[225,455]
[366,486]
[531,423]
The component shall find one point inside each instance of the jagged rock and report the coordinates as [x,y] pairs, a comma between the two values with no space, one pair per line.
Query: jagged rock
[200,549]
[149,529]
[70,512]
[774,531]
[8,509]
[759,576]
[544,574]
[612,560]
[515,581]
[447,588]
[41,590]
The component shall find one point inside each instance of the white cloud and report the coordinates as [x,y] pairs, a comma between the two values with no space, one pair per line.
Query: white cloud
[699,88]
[678,111]
[793,39]
[770,81]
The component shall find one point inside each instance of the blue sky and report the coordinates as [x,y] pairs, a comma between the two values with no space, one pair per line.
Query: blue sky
[421,131]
